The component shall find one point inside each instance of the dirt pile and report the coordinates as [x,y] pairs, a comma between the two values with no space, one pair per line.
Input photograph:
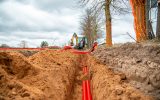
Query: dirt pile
[106,85]
[13,67]
[140,63]
[57,74]
[28,53]
[16,64]
[47,74]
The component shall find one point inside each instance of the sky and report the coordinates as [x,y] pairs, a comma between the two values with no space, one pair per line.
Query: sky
[53,21]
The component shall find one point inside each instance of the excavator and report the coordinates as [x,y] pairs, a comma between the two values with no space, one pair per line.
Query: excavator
[78,42]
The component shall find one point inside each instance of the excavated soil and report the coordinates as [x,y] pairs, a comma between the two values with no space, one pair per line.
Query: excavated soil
[28,53]
[45,75]
[139,63]
[107,85]
[57,75]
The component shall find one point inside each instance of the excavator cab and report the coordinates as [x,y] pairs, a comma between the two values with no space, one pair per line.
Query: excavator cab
[78,42]
[82,43]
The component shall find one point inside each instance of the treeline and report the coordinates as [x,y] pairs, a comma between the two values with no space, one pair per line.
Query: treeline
[24,44]
[100,12]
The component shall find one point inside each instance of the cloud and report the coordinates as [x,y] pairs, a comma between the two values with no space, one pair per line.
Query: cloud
[28,18]
[49,5]
[1,1]
[49,20]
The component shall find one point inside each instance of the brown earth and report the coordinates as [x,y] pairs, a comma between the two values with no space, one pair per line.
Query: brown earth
[28,53]
[55,75]
[139,63]
[46,75]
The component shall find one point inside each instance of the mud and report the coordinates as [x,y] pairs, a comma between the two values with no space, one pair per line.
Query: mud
[140,63]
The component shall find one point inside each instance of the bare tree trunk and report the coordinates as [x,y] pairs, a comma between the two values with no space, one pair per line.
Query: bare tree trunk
[147,17]
[158,21]
[108,24]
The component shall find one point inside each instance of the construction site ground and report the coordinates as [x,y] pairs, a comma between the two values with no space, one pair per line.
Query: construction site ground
[126,72]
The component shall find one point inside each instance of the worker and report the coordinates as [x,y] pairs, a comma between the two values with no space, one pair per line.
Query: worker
[94,46]
[82,43]
[71,43]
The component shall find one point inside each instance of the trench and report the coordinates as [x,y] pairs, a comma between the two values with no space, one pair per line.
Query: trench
[76,92]
[62,78]
[105,84]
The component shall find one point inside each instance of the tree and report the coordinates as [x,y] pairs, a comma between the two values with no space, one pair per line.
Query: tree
[108,23]
[44,44]
[90,26]
[4,46]
[117,6]
[23,44]
[158,21]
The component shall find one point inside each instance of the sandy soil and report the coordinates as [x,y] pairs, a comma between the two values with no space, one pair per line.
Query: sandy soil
[28,53]
[140,63]
[55,75]
[45,75]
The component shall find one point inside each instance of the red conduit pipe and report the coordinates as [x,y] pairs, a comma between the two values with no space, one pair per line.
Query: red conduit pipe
[86,87]
[22,48]
[88,90]
[89,97]
[84,95]
[78,51]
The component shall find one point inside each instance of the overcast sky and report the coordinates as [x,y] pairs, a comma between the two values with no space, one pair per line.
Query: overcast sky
[49,20]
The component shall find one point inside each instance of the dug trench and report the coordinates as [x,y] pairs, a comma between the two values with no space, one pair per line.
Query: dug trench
[55,75]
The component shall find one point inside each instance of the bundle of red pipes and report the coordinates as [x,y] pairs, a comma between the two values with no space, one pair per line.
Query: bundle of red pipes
[86,91]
